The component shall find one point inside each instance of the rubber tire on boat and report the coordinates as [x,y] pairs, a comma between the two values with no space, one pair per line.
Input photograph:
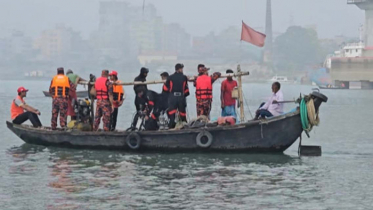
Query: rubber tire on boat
[321,96]
[209,139]
[138,140]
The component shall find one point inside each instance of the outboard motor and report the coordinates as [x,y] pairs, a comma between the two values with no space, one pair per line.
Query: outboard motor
[83,112]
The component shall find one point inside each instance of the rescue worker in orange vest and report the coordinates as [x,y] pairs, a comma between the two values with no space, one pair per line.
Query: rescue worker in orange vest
[105,103]
[60,91]
[177,86]
[203,84]
[118,98]
[21,112]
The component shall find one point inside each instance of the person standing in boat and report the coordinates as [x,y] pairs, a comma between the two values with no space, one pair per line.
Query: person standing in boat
[103,90]
[177,87]
[140,92]
[21,112]
[105,104]
[203,84]
[74,78]
[118,98]
[60,92]
[228,104]
[164,95]
[271,107]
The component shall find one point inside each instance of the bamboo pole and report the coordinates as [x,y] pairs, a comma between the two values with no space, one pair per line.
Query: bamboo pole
[240,95]
[190,79]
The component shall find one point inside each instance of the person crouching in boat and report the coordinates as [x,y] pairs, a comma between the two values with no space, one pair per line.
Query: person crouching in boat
[153,110]
[104,105]
[228,104]
[271,107]
[74,78]
[60,90]
[118,98]
[177,87]
[203,84]
[157,106]
[21,112]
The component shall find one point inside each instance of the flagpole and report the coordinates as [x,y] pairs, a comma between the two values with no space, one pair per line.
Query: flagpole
[240,95]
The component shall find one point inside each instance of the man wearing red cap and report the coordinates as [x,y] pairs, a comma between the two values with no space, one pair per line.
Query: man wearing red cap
[20,111]
[118,98]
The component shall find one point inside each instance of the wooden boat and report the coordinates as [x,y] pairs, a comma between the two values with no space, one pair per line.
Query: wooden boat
[275,134]
[79,94]
[270,135]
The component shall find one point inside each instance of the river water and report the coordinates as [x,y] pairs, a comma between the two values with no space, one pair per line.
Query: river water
[36,177]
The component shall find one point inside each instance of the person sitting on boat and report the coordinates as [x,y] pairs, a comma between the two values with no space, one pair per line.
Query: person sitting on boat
[228,104]
[21,112]
[74,78]
[104,105]
[60,91]
[140,92]
[118,98]
[271,107]
[203,84]
[177,87]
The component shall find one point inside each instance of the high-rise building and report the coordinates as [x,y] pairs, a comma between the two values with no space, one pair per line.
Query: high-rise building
[58,42]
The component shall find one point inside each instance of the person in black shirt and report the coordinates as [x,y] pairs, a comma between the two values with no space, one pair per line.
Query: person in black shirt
[177,87]
[140,91]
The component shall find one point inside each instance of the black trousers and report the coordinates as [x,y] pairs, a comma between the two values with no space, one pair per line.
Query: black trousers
[113,119]
[176,103]
[34,119]
[140,104]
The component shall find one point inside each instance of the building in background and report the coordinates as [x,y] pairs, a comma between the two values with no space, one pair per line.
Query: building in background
[58,42]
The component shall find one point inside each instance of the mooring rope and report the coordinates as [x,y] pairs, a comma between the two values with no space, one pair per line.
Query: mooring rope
[308,114]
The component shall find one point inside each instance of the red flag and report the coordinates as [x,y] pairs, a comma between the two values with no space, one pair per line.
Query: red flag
[250,35]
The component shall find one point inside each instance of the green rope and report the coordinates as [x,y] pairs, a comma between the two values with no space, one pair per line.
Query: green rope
[304,116]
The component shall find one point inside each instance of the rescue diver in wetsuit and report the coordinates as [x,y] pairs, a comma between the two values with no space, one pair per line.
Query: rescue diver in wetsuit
[177,87]
[140,99]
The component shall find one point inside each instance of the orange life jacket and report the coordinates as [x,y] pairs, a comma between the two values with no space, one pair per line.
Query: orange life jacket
[60,86]
[204,87]
[101,88]
[16,110]
[118,92]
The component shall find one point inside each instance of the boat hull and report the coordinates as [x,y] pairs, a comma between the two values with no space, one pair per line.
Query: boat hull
[272,135]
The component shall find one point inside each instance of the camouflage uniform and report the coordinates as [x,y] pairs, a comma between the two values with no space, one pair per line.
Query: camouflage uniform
[204,107]
[59,105]
[103,109]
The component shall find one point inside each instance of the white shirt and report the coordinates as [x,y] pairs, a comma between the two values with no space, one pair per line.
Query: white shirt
[275,109]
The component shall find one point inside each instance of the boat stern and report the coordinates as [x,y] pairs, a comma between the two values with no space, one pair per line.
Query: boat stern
[318,99]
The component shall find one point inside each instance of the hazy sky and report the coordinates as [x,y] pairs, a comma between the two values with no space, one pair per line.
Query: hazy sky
[198,17]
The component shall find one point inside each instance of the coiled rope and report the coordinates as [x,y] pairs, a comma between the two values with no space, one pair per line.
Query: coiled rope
[309,116]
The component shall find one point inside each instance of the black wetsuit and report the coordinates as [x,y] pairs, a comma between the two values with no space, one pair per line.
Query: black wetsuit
[140,102]
[177,87]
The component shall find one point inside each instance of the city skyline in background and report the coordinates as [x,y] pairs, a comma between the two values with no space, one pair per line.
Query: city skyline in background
[330,18]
